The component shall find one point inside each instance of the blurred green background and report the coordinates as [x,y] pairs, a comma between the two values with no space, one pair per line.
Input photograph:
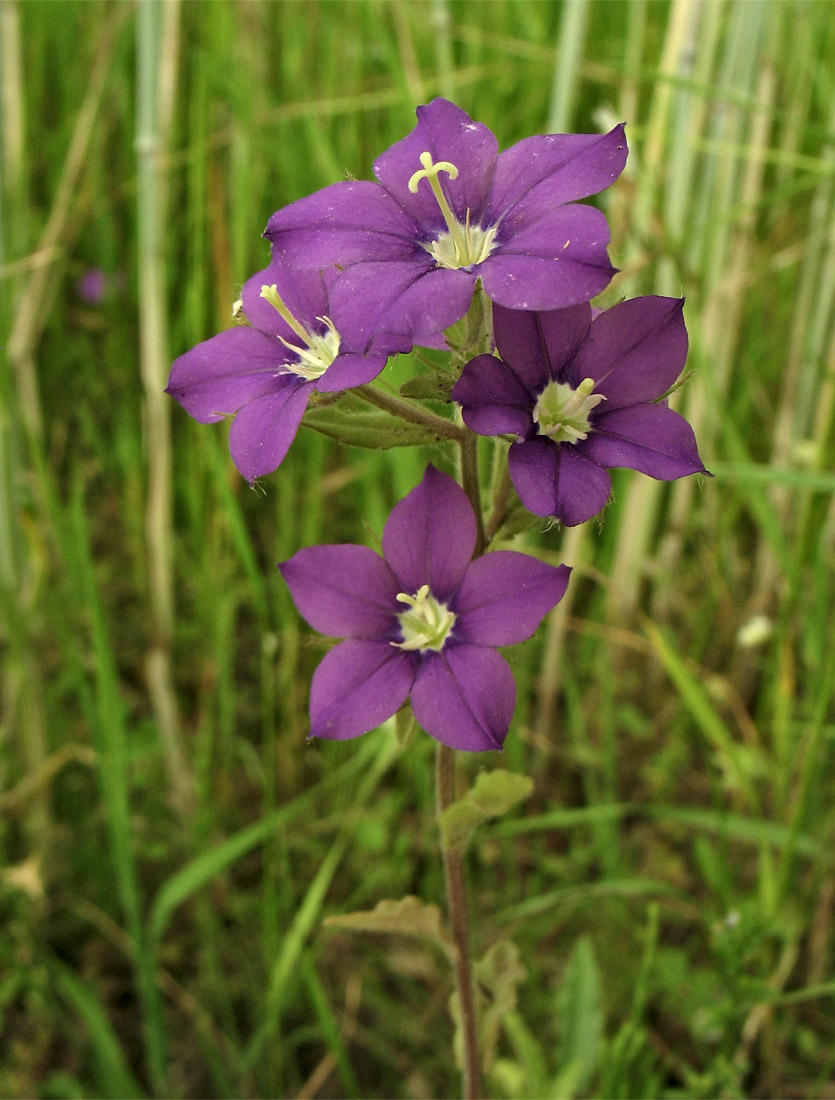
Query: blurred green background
[169,842]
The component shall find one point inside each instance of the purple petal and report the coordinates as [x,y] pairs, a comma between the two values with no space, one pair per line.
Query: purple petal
[634,352]
[214,379]
[449,134]
[537,346]
[264,429]
[556,480]
[503,597]
[303,292]
[415,298]
[358,685]
[464,697]
[343,224]
[344,591]
[539,173]
[543,283]
[430,536]
[493,401]
[347,371]
[533,466]
[577,234]
[649,438]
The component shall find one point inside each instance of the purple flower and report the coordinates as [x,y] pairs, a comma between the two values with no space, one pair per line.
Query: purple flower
[449,209]
[92,285]
[581,395]
[299,342]
[421,622]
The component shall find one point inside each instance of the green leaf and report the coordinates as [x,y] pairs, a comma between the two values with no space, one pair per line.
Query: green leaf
[496,978]
[405,726]
[374,430]
[492,795]
[407,917]
[112,1070]
[579,1003]
[473,334]
[429,388]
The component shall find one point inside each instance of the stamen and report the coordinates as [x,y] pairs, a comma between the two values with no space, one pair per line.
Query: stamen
[318,352]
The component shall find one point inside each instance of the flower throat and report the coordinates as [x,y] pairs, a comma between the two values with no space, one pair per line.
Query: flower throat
[464,245]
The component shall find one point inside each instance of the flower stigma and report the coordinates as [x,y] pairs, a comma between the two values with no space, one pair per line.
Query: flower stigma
[562,413]
[427,623]
[320,349]
[464,245]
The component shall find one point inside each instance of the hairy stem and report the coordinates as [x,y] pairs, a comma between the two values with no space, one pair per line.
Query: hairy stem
[456,888]
[470,483]
[500,496]
[416,414]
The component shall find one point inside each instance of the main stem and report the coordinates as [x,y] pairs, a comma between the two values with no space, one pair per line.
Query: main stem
[456,888]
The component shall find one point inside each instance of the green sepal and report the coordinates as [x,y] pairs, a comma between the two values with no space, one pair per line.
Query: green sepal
[369,428]
[429,387]
[473,334]
[407,916]
[405,725]
[492,795]
[496,978]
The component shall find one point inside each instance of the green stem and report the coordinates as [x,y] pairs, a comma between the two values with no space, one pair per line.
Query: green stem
[416,414]
[456,887]
[502,488]
[471,485]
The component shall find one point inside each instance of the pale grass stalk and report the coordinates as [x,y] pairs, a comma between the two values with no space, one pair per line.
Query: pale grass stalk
[569,56]
[33,303]
[402,17]
[556,626]
[157,29]
[12,205]
[21,690]
[727,318]
[441,23]
[642,495]
[815,303]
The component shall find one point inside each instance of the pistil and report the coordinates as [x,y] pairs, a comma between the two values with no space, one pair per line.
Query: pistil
[428,622]
[319,350]
[464,245]
[562,413]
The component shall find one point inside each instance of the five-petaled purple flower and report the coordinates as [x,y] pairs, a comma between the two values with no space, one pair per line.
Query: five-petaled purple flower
[297,341]
[422,622]
[581,395]
[448,209]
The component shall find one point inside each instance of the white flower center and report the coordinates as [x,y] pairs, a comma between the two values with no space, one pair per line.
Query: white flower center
[562,413]
[320,349]
[463,245]
[427,623]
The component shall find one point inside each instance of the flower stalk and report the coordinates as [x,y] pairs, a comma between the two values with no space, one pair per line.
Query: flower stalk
[415,414]
[459,918]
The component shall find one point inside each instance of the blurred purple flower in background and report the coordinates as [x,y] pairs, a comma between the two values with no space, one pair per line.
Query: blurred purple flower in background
[422,622]
[449,209]
[296,343]
[91,286]
[581,395]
